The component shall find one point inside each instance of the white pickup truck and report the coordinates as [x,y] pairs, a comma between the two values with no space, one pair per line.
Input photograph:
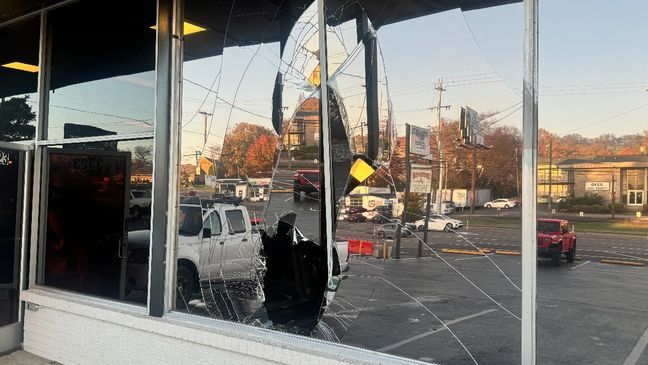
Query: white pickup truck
[216,242]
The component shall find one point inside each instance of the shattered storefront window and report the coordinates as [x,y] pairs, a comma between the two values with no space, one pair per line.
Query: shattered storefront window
[253,245]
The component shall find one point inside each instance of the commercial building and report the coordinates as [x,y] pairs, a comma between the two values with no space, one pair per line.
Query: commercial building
[621,177]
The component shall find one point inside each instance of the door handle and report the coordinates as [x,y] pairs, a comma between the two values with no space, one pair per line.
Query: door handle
[244,240]
[222,242]
[122,248]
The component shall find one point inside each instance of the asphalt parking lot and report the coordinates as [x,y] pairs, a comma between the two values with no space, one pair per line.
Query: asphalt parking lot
[396,306]
[595,313]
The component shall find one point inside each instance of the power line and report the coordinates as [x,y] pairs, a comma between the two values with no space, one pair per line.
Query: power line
[609,118]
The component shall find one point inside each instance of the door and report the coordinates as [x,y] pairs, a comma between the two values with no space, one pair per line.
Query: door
[85,213]
[13,239]
[237,240]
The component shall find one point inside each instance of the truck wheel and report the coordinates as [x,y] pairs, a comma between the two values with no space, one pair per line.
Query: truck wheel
[571,255]
[556,256]
[381,234]
[136,212]
[488,206]
[448,227]
[296,196]
[420,228]
[506,206]
[186,286]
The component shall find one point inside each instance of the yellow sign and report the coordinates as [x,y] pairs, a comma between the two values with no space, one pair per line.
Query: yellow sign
[315,76]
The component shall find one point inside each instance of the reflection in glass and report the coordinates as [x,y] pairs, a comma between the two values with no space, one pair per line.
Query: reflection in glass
[98,218]
[19,79]
[102,78]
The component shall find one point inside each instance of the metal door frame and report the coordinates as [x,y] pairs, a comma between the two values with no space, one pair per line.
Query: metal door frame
[11,334]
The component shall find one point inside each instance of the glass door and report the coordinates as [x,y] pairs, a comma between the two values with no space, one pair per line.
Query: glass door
[12,238]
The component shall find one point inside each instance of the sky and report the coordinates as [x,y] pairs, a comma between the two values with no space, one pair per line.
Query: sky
[593,73]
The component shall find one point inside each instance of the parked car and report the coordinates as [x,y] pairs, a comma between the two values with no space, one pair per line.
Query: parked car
[555,239]
[389,231]
[380,219]
[140,203]
[559,199]
[517,200]
[500,203]
[439,222]
[357,218]
[305,182]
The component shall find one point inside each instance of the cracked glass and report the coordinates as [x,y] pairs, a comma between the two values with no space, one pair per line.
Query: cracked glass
[259,158]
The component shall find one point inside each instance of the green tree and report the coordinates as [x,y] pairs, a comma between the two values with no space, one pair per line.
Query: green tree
[15,116]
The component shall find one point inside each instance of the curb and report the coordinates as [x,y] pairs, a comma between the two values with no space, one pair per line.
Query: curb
[466,252]
[508,252]
[621,262]
[281,191]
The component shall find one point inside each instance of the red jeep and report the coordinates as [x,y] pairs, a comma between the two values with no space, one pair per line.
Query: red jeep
[305,181]
[555,238]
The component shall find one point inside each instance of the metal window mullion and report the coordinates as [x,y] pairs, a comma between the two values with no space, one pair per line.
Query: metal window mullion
[328,187]
[175,157]
[105,138]
[161,159]
[42,91]
[529,180]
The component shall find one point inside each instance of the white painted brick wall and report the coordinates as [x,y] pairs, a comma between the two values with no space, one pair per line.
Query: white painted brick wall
[73,331]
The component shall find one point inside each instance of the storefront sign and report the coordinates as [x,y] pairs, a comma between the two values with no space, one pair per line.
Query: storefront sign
[421,181]
[597,186]
[419,141]
[4,159]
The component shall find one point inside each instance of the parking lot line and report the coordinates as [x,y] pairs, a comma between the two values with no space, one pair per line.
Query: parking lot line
[637,350]
[428,333]
[472,258]
[583,264]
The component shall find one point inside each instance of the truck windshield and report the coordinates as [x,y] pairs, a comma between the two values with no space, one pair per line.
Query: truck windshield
[548,226]
[190,220]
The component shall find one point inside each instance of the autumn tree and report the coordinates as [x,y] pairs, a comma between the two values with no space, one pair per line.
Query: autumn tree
[237,143]
[261,157]
[15,116]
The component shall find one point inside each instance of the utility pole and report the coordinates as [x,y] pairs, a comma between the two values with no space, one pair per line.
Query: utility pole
[613,197]
[407,190]
[550,170]
[205,115]
[473,183]
[439,87]
[517,175]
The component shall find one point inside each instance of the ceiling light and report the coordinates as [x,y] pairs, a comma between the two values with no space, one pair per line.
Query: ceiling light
[21,66]
[189,28]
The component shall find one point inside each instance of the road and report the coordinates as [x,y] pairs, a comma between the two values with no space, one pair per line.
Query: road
[451,309]
[591,246]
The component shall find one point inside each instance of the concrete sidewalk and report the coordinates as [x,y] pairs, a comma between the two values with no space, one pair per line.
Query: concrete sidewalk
[21,357]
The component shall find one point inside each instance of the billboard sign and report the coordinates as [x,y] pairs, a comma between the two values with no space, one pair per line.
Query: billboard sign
[421,180]
[419,140]
[470,127]
[597,186]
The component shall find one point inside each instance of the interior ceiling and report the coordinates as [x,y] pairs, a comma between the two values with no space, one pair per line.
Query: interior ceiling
[94,40]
